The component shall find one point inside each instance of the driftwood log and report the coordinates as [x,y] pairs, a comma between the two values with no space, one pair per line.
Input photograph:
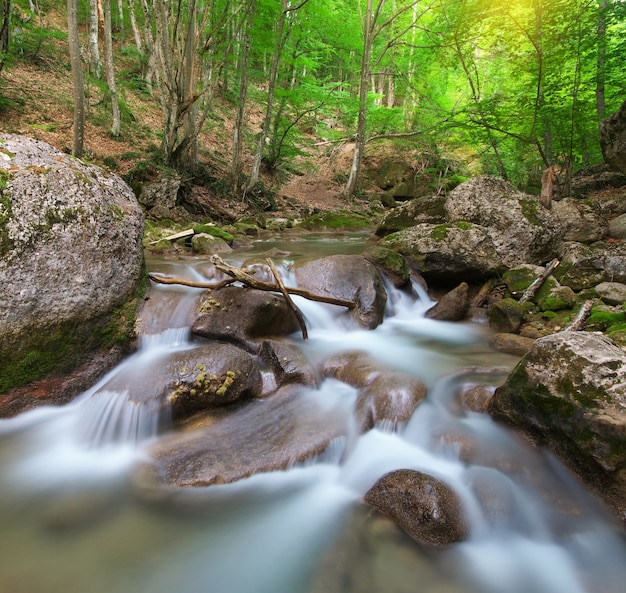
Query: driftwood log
[247,279]
[534,287]
[578,323]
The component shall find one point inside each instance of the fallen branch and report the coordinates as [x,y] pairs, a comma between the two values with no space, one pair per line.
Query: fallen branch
[192,283]
[292,305]
[534,287]
[578,322]
[238,275]
[181,235]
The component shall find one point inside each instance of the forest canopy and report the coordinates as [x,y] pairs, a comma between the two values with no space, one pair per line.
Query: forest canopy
[506,88]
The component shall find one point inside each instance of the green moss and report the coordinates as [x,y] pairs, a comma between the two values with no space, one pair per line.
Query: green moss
[336,220]
[463,225]
[601,318]
[61,348]
[439,232]
[6,213]
[530,211]
[214,231]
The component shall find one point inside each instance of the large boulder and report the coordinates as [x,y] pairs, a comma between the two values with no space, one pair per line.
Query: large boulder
[522,231]
[613,139]
[444,251]
[569,393]
[349,277]
[425,209]
[70,259]
[426,508]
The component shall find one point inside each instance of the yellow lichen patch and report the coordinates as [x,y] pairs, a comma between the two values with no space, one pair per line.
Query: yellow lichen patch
[209,305]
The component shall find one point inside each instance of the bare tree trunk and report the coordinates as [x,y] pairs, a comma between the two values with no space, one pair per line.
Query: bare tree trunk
[235,169]
[359,143]
[271,88]
[95,18]
[77,79]
[601,60]
[120,13]
[134,27]
[110,72]
[5,16]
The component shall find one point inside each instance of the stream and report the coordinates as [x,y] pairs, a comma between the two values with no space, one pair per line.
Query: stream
[76,518]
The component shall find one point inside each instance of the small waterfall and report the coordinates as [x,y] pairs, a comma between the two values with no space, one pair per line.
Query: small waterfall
[532,526]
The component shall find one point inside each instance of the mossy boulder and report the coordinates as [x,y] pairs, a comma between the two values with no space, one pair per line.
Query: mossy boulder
[569,393]
[521,230]
[424,209]
[70,260]
[341,219]
[506,315]
[390,263]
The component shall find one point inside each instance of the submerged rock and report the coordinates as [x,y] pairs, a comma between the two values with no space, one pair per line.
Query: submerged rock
[426,508]
[228,444]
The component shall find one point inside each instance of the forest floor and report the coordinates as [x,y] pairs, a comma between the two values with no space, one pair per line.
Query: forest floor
[36,101]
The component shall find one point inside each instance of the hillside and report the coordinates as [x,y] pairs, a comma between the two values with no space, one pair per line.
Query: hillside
[36,101]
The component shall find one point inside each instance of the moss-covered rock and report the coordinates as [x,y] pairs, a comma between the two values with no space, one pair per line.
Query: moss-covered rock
[391,263]
[569,392]
[70,264]
[342,219]
[506,315]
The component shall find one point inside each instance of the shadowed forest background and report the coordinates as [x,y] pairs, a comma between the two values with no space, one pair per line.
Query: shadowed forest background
[261,89]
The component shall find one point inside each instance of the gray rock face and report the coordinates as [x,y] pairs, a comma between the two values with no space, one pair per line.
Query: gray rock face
[522,231]
[70,248]
[426,508]
[569,392]
[579,221]
[349,277]
[447,250]
[585,266]
[613,139]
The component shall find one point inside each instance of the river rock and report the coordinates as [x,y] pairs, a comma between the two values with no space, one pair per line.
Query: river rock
[506,315]
[579,221]
[390,399]
[569,393]
[426,508]
[511,343]
[244,316]
[522,231]
[428,209]
[228,444]
[613,139]
[70,255]
[585,266]
[210,376]
[612,293]
[159,197]
[287,363]
[452,306]
[355,368]
[349,277]
[442,251]
[390,263]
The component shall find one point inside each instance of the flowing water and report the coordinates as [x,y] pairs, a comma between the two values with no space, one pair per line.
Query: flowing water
[75,518]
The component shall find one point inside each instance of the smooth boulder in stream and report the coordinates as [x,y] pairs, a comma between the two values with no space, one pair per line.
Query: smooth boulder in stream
[569,393]
[70,260]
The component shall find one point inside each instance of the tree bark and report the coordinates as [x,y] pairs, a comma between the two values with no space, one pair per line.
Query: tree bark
[95,19]
[110,71]
[77,79]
